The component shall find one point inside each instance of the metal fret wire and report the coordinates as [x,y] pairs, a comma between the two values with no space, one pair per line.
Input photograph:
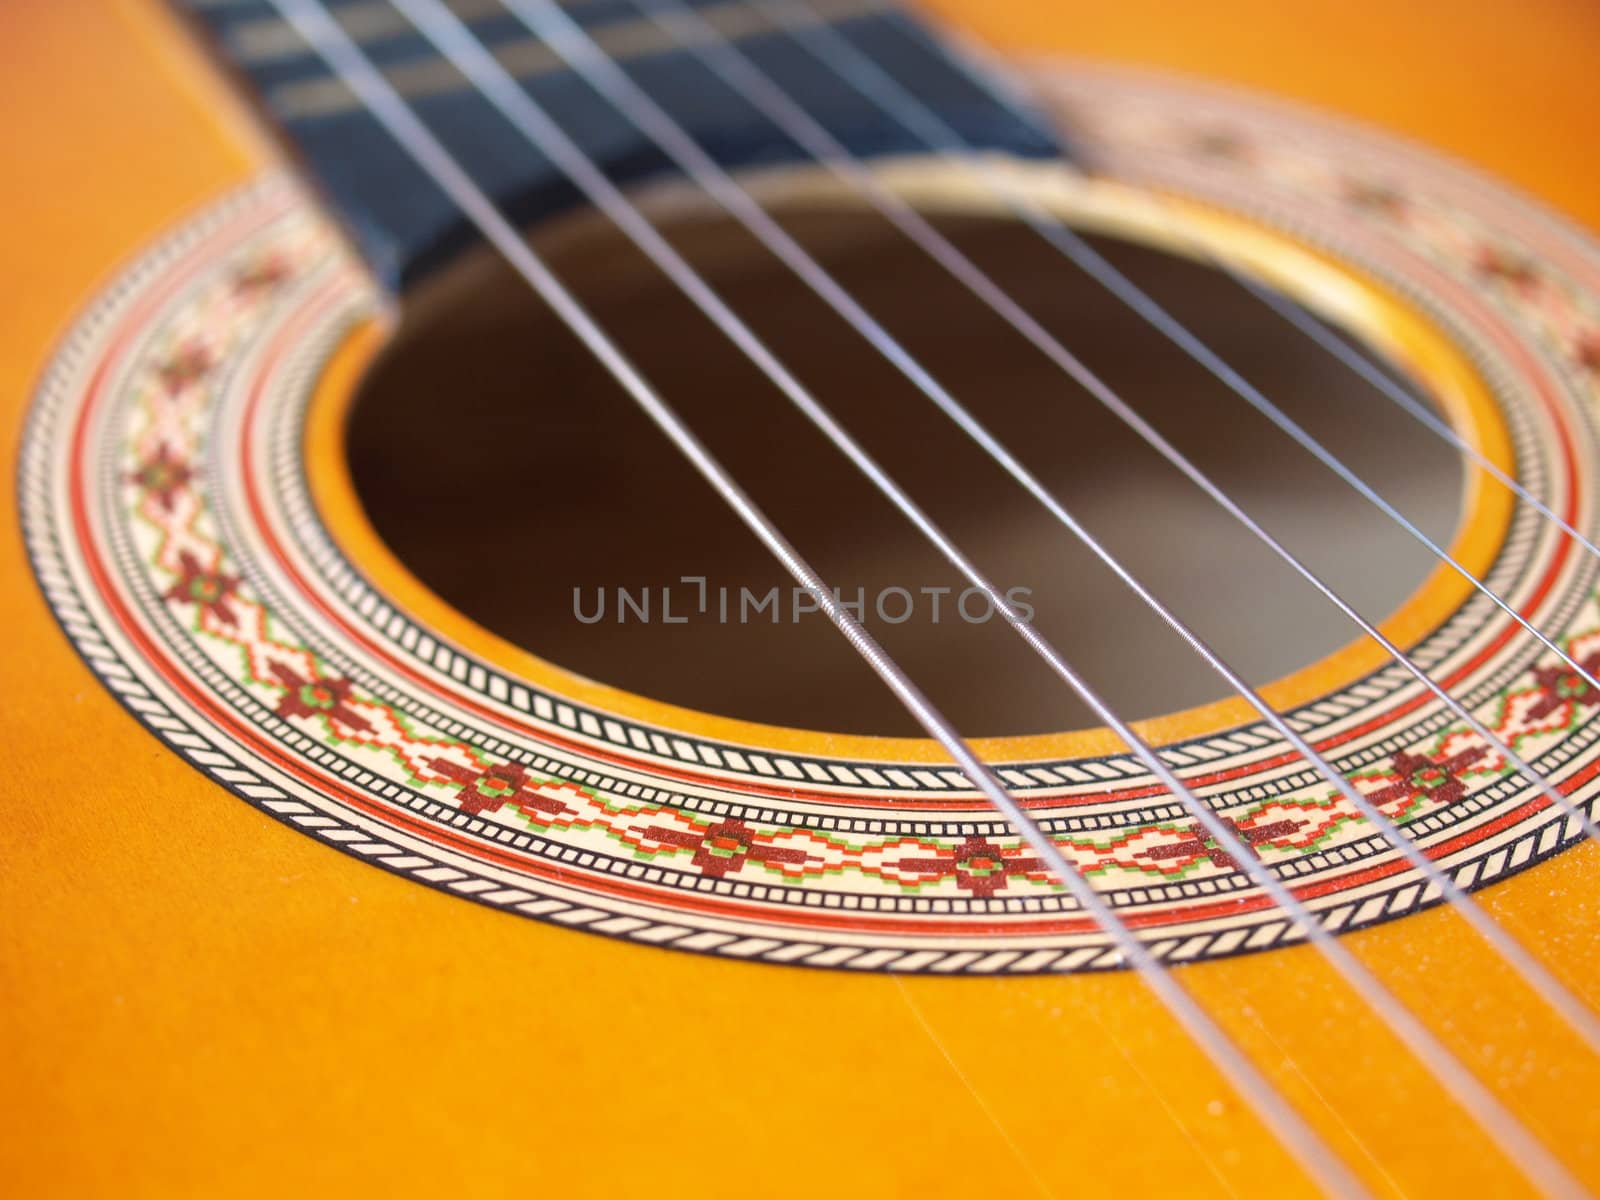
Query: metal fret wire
[481,69]
[878,85]
[458,44]
[346,60]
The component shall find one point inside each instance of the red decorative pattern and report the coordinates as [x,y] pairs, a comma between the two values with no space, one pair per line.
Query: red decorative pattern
[728,848]
[484,797]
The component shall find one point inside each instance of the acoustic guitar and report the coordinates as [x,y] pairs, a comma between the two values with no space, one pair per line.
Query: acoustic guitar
[776,597]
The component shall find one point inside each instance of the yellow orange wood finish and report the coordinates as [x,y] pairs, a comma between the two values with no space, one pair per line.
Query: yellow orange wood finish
[264,1016]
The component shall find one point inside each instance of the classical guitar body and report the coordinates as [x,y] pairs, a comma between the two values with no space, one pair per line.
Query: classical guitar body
[446,437]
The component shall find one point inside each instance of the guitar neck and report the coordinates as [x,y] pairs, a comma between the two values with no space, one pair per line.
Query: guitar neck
[404,225]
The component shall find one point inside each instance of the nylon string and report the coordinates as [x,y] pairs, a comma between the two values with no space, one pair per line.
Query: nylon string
[314,23]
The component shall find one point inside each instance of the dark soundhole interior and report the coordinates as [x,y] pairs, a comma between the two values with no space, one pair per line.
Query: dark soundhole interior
[513,476]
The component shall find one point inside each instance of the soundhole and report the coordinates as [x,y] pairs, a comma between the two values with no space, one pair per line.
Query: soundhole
[508,471]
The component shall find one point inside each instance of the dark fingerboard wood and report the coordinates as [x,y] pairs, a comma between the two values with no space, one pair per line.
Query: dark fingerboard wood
[405,225]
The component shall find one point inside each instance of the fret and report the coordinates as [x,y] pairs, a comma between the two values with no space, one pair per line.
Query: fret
[404,225]
[525,57]
[366,22]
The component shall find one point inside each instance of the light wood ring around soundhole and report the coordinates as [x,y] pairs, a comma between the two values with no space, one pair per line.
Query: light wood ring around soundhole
[1319,283]
[838,851]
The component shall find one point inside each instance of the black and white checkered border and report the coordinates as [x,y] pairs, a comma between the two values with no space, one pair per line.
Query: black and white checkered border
[247,780]
[362,602]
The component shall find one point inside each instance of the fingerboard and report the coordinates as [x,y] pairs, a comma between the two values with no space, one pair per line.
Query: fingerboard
[405,225]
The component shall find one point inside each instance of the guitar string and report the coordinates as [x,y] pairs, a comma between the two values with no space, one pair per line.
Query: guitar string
[570,41]
[729,61]
[880,86]
[560,34]
[916,114]
[993,86]
[696,35]
[739,72]
[1374,376]
[452,38]
[1573,1010]
[345,59]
